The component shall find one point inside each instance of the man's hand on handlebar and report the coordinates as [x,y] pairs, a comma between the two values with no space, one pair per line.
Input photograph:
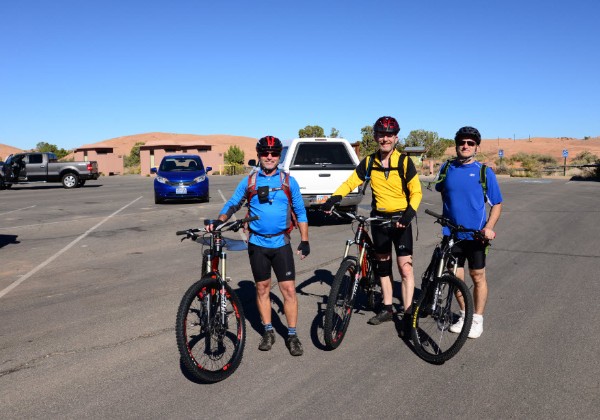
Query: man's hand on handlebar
[406,218]
[211,224]
[488,233]
[331,202]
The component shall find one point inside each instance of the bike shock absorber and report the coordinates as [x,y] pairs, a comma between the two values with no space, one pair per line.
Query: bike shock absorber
[223,305]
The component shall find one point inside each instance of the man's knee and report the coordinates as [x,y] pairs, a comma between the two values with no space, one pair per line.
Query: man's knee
[478,276]
[383,268]
[405,265]
[288,289]
[263,288]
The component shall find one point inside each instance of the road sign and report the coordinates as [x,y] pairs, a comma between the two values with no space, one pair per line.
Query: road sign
[500,153]
[565,153]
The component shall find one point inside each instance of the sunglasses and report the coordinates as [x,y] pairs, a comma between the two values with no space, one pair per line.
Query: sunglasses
[469,143]
[273,154]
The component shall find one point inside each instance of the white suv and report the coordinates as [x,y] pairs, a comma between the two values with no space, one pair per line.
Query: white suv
[320,165]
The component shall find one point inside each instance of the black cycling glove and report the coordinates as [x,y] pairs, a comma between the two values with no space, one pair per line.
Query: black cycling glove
[215,223]
[331,202]
[407,216]
[304,248]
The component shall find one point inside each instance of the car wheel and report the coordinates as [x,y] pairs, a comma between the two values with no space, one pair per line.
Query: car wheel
[157,199]
[70,180]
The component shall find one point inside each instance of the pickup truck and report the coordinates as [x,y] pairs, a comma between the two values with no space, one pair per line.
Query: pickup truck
[26,168]
[320,165]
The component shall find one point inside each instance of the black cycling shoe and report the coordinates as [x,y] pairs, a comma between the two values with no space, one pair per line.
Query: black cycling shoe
[267,340]
[294,345]
[381,317]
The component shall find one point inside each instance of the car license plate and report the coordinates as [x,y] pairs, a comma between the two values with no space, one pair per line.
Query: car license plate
[321,199]
[181,190]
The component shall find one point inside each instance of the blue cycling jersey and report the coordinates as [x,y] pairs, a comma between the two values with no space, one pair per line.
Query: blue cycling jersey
[462,196]
[274,213]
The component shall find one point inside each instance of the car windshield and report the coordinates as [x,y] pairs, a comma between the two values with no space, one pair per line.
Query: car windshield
[181,165]
[323,154]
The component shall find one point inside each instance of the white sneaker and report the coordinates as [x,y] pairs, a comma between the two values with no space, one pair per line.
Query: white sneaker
[458,326]
[476,326]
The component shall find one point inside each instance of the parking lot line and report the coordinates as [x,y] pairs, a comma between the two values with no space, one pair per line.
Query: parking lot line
[66,248]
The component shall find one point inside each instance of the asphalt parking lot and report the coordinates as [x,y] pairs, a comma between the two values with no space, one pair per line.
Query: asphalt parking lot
[90,280]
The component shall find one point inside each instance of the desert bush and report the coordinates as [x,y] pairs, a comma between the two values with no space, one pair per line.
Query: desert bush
[502,169]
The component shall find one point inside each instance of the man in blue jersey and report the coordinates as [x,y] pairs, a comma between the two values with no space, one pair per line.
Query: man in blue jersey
[276,199]
[464,196]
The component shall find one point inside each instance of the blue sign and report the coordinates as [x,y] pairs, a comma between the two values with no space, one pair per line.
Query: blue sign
[500,153]
[565,153]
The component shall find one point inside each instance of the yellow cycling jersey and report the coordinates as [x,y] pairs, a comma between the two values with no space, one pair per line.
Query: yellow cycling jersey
[388,192]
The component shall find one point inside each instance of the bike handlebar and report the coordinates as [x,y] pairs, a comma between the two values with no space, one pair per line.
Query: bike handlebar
[364,219]
[444,221]
[235,226]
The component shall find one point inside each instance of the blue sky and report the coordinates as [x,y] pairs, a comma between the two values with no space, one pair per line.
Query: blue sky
[75,72]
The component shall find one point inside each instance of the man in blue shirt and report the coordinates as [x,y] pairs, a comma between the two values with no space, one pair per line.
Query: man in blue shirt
[464,200]
[276,199]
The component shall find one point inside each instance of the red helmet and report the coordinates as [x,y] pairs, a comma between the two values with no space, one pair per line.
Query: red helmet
[468,133]
[386,125]
[269,144]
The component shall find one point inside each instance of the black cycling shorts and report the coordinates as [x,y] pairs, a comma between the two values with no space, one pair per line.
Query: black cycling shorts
[281,260]
[385,236]
[472,251]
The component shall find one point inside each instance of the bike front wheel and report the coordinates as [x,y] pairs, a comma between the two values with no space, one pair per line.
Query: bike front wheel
[437,310]
[210,330]
[340,304]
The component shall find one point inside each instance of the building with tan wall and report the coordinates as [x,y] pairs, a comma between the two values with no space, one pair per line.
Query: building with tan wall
[210,148]
[110,161]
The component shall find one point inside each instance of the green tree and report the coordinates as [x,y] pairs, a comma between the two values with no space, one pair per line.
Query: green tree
[334,133]
[434,146]
[367,143]
[234,156]
[44,147]
[438,149]
[311,131]
[133,160]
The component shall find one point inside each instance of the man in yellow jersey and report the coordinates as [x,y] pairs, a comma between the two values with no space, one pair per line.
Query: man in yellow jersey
[396,192]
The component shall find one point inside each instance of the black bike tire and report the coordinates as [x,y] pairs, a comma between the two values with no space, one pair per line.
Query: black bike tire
[203,373]
[334,336]
[419,314]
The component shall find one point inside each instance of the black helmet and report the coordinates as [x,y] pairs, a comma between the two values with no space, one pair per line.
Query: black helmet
[386,125]
[468,133]
[269,144]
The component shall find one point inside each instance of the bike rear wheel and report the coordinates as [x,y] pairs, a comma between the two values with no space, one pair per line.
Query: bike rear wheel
[340,304]
[431,335]
[211,334]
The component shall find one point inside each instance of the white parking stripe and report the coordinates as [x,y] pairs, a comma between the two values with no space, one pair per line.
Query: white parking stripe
[66,248]
[12,211]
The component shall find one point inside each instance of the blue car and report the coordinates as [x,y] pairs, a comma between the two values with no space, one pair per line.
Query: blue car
[180,177]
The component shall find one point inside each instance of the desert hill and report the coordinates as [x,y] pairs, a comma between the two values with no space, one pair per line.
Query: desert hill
[489,148]
[539,145]
[6,151]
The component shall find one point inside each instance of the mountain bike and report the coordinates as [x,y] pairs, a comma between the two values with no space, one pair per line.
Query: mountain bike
[354,275]
[210,325]
[437,307]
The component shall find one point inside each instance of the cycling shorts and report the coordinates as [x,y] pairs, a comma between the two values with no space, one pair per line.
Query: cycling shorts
[281,260]
[385,236]
[472,251]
